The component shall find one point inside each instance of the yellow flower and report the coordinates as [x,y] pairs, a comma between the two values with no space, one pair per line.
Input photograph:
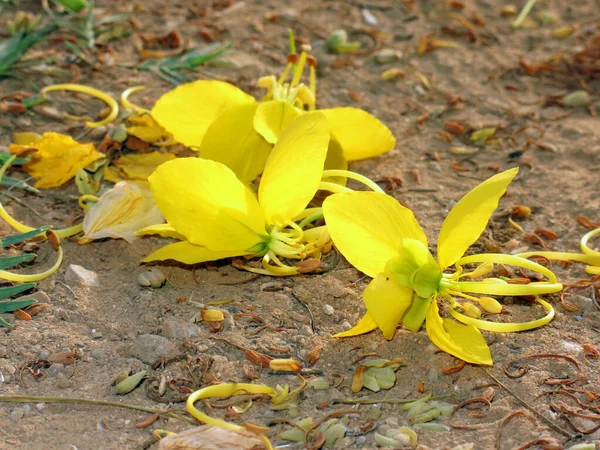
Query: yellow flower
[135,166]
[383,239]
[58,159]
[120,212]
[218,216]
[229,126]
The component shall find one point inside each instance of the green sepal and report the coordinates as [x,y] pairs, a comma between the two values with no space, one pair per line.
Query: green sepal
[415,316]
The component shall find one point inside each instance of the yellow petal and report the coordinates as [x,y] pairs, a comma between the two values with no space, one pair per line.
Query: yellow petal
[294,168]
[272,118]
[463,341]
[26,138]
[121,211]
[469,217]
[360,134]
[113,174]
[58,159]
[188,110]
[146,134]
[188,253]
[386,303]
[204,201]
[367,228]
[231,140]
[336,161]
[139,166]
[363,326]
[163,230]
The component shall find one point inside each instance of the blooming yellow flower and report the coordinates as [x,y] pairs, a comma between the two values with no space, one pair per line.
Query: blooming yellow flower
[58,159]
[218,216]
[383,239]
[229,126]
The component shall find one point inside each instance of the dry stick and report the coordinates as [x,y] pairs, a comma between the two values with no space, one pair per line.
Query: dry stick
[87,401]
[532,409]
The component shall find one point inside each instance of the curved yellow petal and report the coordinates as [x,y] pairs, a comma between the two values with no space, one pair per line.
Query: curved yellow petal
[294,168]
[364,325]
[139,166]
[367,227]
[163,230]
[188,110]
[336,161]
[231,140]
[469,217]
[462,341]
[386,303]
[188,253]
[272,118]
[204,201]
[360,134]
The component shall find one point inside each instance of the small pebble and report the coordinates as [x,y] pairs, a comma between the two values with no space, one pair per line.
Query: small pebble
[361,441]
[328,310]
[385,56]
[80,276]
[178,329]
[346,325]
[17,414]
[368,17]
[153,277]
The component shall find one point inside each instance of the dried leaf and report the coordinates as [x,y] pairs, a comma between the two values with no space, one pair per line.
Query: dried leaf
[208,437]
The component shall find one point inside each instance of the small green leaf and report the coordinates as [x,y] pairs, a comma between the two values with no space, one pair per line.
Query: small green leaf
[14,290]
[16,238]
[14,305]
[483,134]
[11,261]
[73,5]
[131,382]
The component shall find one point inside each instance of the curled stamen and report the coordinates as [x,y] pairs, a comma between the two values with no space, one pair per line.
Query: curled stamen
[353,175]
[111,102]
[34,277]
[128,105]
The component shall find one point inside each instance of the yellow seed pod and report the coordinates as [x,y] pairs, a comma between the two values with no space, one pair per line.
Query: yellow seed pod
[212,315]
[564,32]
[482,270]
[285,365]
[392,74]
[490,305]
[471,310]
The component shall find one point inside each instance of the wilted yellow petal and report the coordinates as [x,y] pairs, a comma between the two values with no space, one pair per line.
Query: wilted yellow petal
[163,230]
[272,118]
[188,253]
[144,127]
[463,341]
[204,201]
[139,166]
[367,228]
[58,159]
[364,325]
[360,134]
[386,302]
[26,138]
[120,212]
[231,140]
[294,168]
[469,217]
[113,174]
[188,110]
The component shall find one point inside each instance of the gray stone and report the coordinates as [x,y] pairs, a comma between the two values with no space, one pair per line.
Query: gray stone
[80,276]
[178,329]
[585,304]
[17,414]
[39,296]
[149,347]
[328,310]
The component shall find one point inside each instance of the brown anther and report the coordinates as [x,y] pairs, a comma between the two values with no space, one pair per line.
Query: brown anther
[311,61]
[292,58]
[26,152]
[54,239]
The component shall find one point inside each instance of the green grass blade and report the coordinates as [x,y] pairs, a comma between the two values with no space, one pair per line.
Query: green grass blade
[4,323]
[14,305]
[16,238]
[9,291]
[11,261]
